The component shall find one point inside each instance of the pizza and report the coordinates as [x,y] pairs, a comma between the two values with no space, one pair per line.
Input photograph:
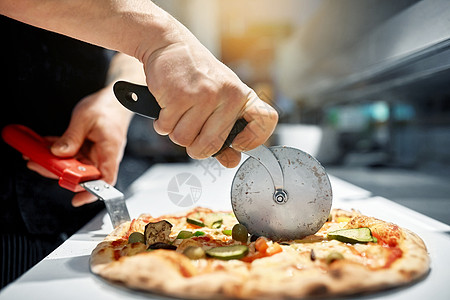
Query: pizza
[203,254]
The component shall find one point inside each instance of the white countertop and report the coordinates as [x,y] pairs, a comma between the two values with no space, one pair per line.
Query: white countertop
[65,274]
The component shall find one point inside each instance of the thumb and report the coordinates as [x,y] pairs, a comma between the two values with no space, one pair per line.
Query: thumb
[70,142]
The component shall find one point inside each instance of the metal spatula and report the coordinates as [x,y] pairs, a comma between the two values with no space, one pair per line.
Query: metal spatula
[73,175]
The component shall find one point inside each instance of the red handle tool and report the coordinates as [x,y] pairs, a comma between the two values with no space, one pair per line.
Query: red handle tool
[70,171]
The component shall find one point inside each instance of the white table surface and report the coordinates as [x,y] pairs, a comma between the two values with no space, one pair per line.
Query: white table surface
[65,274]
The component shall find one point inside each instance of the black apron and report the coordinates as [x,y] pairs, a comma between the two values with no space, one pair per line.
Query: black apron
[44,76]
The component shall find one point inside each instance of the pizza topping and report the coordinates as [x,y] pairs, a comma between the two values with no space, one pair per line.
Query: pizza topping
[216,248]
[312,255]
[118,243]
[274,249]
[187,243]
[216,224]
[161,245]
[394,254]
[240,233]
[228,252]
[185,234]
[136,237]
[263,248]
[254,237]
[311,239]
[333,256]
[352,235]
[194,252]
[210,241]
[343,219]
[387,233]
[195,222]
[261,245]
[157,232]
[213,220]
[227,232]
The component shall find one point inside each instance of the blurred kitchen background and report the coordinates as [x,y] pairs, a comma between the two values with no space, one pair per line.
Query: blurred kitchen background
[363,85]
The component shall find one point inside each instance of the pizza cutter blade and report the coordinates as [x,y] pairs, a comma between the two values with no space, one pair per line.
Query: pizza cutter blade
[281,193]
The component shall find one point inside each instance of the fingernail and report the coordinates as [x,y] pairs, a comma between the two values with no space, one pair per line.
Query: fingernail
[61,146]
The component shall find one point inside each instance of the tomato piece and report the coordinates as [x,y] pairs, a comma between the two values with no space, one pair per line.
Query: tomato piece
[274,249]
[261,245]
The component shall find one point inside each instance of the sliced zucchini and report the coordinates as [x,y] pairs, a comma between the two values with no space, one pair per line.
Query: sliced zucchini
[227,232]
[228,252]
[194,252]
[195,222]
[184,234]
[213,220]
[352,235]
[216,224]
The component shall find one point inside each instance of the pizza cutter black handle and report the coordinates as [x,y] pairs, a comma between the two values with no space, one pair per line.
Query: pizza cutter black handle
[139,100]
[237,128]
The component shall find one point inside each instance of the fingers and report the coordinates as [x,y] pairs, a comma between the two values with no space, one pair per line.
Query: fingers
[188,127]
[83,198]
[71,141]
[186,111]
[108,156]
[167,121]
[33,166]
[79,199]
[229,158]
[262,120]
[212,136]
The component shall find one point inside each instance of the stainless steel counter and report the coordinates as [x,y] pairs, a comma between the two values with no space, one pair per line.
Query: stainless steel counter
[65,273]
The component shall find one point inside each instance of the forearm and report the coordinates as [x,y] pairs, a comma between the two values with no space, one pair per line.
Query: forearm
[134,27]
[125,67]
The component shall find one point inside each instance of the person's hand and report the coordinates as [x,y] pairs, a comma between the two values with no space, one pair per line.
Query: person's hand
[96,135]
[201,99]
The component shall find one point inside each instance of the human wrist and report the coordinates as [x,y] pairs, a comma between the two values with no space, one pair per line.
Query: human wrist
[166,31]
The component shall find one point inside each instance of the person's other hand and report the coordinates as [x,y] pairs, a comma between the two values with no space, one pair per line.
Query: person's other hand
[201,99]
[96,135]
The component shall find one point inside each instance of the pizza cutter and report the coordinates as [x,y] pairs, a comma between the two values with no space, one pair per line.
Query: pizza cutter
[279,192]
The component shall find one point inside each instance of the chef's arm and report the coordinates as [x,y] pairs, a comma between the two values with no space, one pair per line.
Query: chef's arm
[134,27]
[200,97]
[125,67]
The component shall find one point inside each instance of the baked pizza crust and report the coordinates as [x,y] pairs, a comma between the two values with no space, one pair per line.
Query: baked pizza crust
[289,274]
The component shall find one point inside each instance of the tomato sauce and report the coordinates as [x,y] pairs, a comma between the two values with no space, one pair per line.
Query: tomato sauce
[394,254]
[130,231]
[116,254]
[117,242]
